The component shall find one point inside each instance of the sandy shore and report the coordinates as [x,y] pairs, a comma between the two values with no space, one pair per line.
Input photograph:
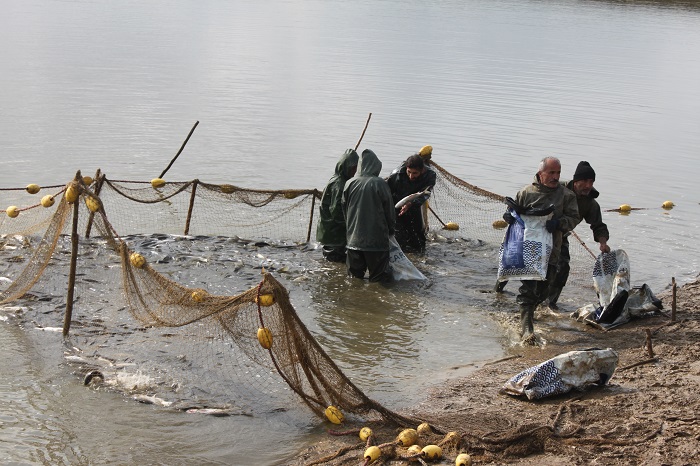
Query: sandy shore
[649,412]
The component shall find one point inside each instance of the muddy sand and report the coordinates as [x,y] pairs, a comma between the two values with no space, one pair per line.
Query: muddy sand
[648,413]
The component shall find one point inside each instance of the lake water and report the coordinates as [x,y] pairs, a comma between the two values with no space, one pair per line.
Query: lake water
[281,89]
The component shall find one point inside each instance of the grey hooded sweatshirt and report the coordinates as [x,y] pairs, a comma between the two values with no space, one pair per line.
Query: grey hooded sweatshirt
[368,207]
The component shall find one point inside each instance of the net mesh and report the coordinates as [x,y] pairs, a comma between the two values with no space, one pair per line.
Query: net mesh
[225,366]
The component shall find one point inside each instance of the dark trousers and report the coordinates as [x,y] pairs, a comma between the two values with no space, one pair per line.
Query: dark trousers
[533,292]
[334,253]
[377,262]
[410,233]
[563,266]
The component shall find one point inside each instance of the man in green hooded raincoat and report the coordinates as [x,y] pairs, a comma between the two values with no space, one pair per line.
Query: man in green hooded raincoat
[330,231]
[370,220]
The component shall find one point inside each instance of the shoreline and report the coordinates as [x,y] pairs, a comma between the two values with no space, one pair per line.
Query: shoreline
[647,413]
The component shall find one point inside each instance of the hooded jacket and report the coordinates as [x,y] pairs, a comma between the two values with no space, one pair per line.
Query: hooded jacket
[368,207]
[331,224]
[539,196]
[401,185]
[589,210]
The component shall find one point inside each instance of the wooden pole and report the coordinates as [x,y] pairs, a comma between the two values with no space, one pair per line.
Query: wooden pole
[73,262]
[436,216]
[650,350]
[313,205]
[363,131]
[191,207]
[99,180]
[178,152]
[673,300]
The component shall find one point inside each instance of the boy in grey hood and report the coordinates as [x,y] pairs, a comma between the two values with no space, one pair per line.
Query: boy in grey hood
[370,220]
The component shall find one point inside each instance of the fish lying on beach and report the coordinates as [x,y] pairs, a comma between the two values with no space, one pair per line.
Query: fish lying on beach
[411,197]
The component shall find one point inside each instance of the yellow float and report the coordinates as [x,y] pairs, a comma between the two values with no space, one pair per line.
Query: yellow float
[157,182]
[452,226]
[463,459]
[72,193]
[227,188]
[372,453]
[625,208]
[668,205]
[47,201]
[198,296]
[424,429]
[265,300]
[407,437]
[12,211]
[432,452]
[137,260]
[365,433]
[334,415]
[265,337]
[87,180]
[499,224]
[33,188]
[92,203]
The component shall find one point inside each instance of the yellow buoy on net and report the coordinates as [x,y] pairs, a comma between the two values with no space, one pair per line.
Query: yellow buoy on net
[198,296]
[452,226]
[72,193]
[137,260]
[92,203]
[87,180]
[33,188]
[407,437]
[157,182]
[500,224]
[463,459]
[432,452]
[414,449]
[290,194]
[372,453]
[625,208]
[265,337]
[47,201]
[265,300]
[227,188]
[365,433]
[12,211]
[424,429]
[668,205]
[334,415]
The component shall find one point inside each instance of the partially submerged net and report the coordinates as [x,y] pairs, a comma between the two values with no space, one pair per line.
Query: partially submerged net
[222,360]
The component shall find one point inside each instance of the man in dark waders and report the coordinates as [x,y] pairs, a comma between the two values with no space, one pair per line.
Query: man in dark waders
[588,210]
[411,177]
[545,191]
[369,220]
[330,231]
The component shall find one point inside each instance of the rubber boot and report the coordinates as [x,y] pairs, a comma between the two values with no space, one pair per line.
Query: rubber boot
[527,316]
[500,286]
[554,297]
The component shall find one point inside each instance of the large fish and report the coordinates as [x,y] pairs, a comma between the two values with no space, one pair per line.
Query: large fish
[411,197]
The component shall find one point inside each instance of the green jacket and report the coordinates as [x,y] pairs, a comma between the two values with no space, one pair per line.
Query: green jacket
[539,196]
[589,210]
[368,207]
[330,230]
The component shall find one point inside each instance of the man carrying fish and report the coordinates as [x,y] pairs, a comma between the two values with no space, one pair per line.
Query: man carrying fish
[545,192]
[411,185]
[369,220]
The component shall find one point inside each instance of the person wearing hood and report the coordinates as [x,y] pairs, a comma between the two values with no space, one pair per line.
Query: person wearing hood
[411,177]
[330,231]
[588,210]
[545,191]
[370,220]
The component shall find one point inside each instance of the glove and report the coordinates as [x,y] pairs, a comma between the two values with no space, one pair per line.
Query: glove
[508,217]
[552,225]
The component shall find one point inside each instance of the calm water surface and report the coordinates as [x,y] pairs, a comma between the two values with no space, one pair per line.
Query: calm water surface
[281,89]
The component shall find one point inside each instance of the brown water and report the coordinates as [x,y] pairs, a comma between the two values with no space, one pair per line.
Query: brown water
[281,88]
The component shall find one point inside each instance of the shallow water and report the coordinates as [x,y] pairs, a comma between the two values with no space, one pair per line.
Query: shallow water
[281,89]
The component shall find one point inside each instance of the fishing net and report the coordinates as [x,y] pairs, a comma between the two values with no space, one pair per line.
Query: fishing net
[197,349]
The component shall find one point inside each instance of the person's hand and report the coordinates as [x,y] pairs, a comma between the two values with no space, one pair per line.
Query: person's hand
[404,208]
[604,246]
[508,217]
[552,225]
